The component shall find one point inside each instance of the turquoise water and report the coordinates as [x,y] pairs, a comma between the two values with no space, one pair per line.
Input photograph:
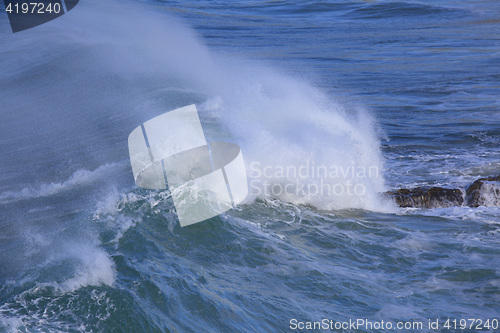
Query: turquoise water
[408,88]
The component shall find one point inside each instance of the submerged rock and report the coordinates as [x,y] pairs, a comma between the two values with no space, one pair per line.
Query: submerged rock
[428,197]
[484,192]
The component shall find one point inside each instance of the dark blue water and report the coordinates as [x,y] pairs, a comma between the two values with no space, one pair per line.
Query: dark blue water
[408,88]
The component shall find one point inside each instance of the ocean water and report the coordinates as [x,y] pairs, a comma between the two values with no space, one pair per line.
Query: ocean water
[380,94]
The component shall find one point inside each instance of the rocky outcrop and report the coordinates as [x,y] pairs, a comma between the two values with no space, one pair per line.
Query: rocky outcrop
[428,197]
[484,192]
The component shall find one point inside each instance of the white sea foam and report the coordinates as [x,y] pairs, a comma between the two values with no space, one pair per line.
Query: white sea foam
[109,210]
[286,125]
[87,263]
[10,324]
[490,215]
[29,311]
[94,268]
[489,195]
[74,260]
[78,178]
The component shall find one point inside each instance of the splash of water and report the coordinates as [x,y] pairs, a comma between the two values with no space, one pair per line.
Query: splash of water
[299,144]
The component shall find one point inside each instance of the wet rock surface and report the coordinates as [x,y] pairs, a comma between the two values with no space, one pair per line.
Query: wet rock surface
[428,197]
[483,192]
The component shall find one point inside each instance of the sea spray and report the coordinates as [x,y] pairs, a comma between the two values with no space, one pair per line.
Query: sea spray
[285,123]
[276,119]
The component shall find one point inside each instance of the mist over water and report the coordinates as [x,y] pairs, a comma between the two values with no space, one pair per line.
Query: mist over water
[117,54]
[83,249]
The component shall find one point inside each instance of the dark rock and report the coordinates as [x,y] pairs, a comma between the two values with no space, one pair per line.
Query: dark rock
[428,197]
[484,192]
